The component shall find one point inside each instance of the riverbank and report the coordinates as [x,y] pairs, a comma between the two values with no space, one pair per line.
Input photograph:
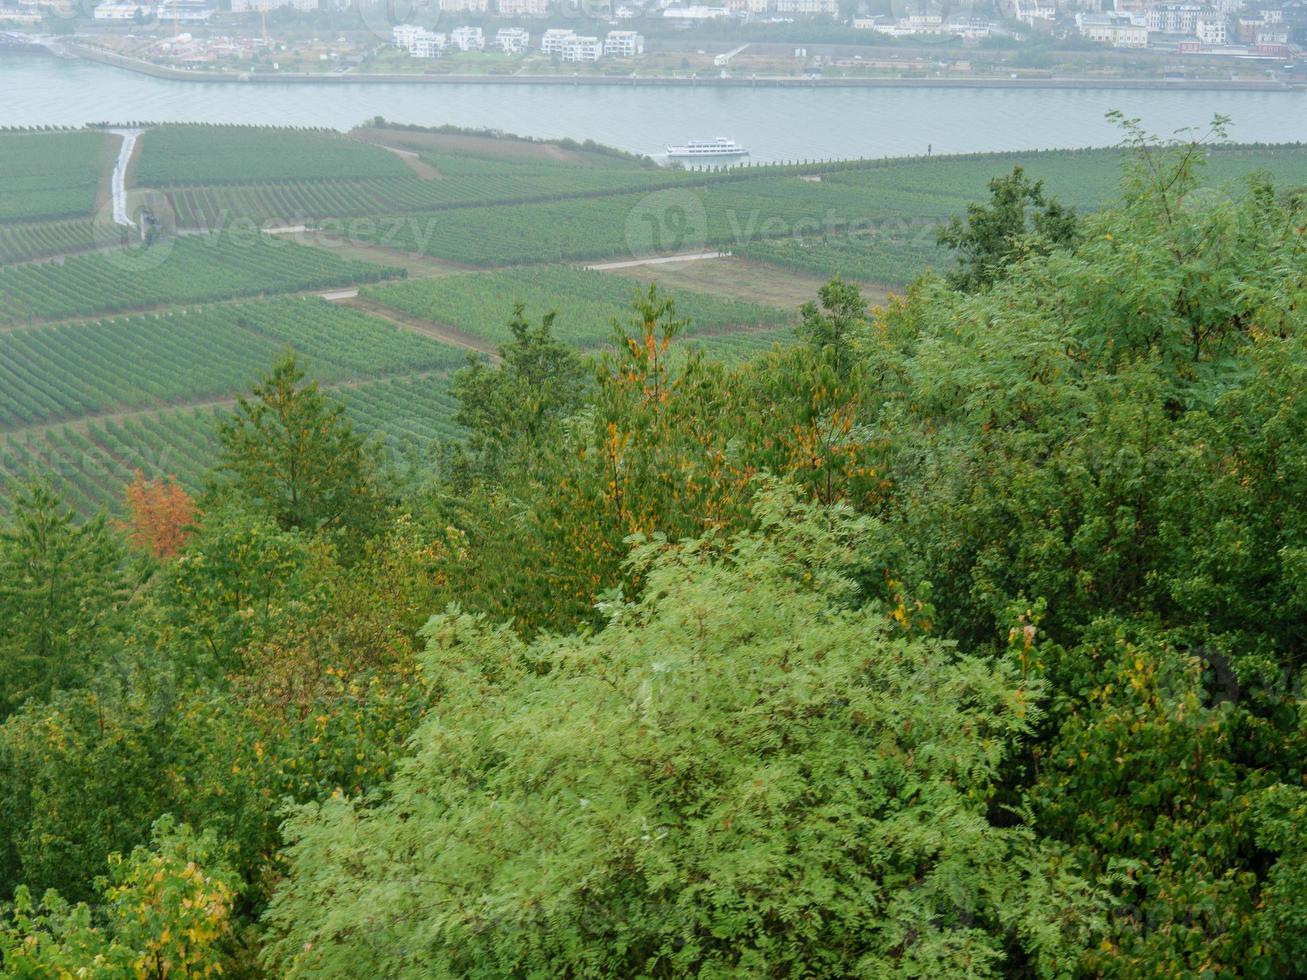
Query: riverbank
[637,81]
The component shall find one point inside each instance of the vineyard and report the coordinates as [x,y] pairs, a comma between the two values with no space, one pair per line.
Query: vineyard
[587,303]
[193,269]
[50,374]
[23,242]
[292,202]
[175,155]
[87,403]
[889,259]
[50,175]
[92,463]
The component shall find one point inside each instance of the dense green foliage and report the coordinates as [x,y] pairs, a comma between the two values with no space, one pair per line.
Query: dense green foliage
[1017,221]
[961,636]
[483,304]
[736,777]
[194,269]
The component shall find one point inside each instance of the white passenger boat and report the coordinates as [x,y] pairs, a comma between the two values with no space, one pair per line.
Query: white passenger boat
[701,149]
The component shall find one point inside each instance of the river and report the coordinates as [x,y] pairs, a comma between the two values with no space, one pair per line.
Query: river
[776,124]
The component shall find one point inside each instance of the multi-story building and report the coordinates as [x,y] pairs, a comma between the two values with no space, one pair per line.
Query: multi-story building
[968,26]
[623,44]
[522,8]
[184,12]
[428,45]
[112,10]
[807,8]
[512,40]
[464,6]
[246,6]
[418,41]
[403,35]
[1120,32]
[467,39]
[1212,29]
[581,48]
[1271,35]
[552,40]
[1175,18]
[1035,13]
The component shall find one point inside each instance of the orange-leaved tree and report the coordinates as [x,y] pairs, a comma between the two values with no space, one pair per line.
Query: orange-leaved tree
[159,515]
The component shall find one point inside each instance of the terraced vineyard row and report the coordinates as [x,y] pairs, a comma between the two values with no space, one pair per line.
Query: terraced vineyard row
[92,465]
[194,269]
[666,221]
[49,374]
[884,259]
[1086,179]
[50,175]
[738,209]
[292,203]
[36,240]
[588,302]
[178,155]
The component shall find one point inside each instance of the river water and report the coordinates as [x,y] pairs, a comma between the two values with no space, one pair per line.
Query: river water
[776,124]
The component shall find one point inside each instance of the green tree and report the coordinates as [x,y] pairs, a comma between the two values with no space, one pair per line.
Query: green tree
[291,453]
[835,324]
[518,406]
[1019,220]
[61,584]
[740,775]
[165,911]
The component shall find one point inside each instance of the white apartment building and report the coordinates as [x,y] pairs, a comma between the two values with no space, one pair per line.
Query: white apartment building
[552,40]
[1272,34]
[184,11]
[247,6]
[695,12]
[1211,29]
[429,45]
[623,44]
[418,41]
[464,6]
[522,8]
[403,35]
[924,23]
[1120,32]
[807,8]
[512,40]
[119,11]
[467,39]
[1175,18]
[970,27]
[1035,13]
[582,48]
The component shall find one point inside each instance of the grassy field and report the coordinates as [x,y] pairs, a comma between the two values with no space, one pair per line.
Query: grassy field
[587,303]
[737,277]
